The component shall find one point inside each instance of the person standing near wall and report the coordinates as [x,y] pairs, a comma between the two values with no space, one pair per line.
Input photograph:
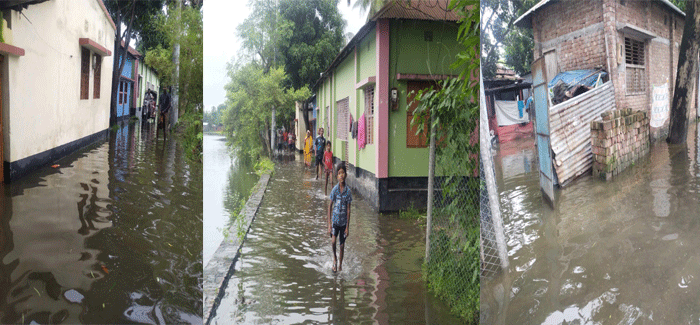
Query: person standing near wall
[163,116]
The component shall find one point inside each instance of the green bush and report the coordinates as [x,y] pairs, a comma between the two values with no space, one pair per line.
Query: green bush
[190,128]
[455,276]
[264,166]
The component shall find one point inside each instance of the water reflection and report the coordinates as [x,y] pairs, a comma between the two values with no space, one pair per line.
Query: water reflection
[110,235]
[283,274]
[228,182]
[607,252]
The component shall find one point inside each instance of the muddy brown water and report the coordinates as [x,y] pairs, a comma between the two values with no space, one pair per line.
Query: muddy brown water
[617,252]
[111,235]
[284,276]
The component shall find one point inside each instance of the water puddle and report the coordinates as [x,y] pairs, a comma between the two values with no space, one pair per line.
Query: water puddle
[617,252]
[111,235]
[284,272]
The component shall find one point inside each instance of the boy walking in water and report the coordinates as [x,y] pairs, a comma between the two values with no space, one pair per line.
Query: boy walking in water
[339,219]
[328,166]
[319,146]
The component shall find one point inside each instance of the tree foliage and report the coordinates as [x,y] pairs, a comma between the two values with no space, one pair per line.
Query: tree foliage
[303,36]
[216,115]
[191,54]
[455,110]
[250,96]
[501,40]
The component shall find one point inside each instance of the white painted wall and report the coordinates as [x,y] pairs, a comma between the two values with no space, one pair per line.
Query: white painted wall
[147,75]
[42,108]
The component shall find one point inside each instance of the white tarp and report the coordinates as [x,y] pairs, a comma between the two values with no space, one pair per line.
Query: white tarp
[507,113]
[659,106]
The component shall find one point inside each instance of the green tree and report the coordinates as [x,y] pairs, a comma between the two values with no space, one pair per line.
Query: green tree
[190,81]
[135,15]
[501,40]
[250,96]
[303,36]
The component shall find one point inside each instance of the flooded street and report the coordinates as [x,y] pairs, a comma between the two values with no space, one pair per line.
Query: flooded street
[110,235]
[617,252]
[284,272]
[228,182]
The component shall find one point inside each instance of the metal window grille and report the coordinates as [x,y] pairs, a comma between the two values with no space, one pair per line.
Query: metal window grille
[369,114]
[341,125]
[635,66]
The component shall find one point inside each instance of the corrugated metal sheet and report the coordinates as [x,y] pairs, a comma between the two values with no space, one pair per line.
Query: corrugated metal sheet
[571,131]
[417,9]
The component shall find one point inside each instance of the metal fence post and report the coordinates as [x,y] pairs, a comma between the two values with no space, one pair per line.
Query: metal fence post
[431,185]
[485,146]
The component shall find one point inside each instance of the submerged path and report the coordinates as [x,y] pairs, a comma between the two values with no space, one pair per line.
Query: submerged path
[283,274]
[110,234]
[616,252]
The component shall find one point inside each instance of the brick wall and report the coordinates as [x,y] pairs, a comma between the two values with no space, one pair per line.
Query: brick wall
[620,139]
[574,30]
[579,30]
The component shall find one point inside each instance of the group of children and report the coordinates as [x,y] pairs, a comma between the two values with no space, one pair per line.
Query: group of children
[340,198]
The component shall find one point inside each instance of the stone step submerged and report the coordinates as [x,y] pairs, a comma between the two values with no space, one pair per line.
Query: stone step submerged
[221,265]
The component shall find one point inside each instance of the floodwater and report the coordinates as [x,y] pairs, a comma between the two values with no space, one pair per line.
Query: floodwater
[110,235]
[284,275]
[618,252]
[229,182]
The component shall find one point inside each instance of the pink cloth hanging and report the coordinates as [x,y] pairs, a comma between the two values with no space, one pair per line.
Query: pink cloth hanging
[361,132]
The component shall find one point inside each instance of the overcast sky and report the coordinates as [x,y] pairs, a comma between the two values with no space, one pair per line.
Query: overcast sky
[221,44]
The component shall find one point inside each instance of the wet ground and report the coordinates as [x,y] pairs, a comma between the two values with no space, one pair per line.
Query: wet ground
[617,252]
[229,182]
[110,235]
[284,272]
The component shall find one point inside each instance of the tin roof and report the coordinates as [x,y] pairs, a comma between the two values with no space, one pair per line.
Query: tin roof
[416,9]
[525,20]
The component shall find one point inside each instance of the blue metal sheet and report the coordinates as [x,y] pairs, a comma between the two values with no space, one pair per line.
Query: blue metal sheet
[542,117]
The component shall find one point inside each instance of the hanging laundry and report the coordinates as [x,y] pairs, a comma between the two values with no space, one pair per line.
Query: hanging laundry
[354,130]
[361,132]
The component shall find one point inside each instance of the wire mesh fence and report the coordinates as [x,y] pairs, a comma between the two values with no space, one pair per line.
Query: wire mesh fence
[452,263]
[493,250]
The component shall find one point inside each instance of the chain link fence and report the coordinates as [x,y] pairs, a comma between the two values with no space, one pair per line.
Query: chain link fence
[493,250]
[452,241]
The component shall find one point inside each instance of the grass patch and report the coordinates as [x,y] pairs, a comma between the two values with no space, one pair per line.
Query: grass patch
[411,213]
[264,166]
[453,272]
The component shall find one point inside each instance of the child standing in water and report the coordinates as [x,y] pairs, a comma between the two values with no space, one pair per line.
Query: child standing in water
[339,215]
[328,166]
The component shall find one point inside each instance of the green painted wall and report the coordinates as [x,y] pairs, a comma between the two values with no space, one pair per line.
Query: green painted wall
[410,53]
[366,67]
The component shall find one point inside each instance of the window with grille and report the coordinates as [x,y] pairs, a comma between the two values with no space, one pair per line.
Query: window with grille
[635,66]
[341,125]
[85,74]
[98,74]
[326,118]
[369,114]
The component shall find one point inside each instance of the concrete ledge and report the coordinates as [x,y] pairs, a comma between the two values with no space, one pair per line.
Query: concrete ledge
[221,266]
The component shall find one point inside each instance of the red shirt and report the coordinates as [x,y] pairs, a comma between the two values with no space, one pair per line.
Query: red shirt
[328,160]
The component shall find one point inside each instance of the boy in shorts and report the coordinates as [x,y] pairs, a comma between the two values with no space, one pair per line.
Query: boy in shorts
[328,166]
[339,215]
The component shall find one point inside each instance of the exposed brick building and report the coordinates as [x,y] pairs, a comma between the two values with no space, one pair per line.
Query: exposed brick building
[637,42]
